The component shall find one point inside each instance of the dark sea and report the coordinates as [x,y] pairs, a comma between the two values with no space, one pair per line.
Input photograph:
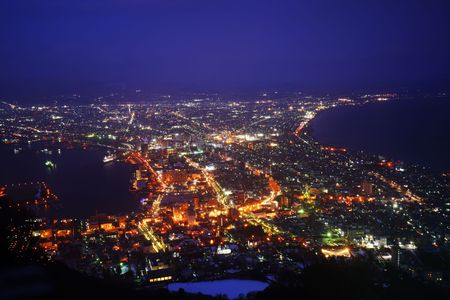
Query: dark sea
[414,131]
[84,184]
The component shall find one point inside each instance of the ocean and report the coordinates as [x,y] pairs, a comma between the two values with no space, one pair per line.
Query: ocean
[416,131]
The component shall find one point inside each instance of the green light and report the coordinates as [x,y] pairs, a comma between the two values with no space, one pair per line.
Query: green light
[301,211]
[329,234]
[49,164]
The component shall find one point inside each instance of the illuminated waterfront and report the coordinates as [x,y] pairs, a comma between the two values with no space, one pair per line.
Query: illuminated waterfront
[83,183]
[228,189]
[415,131]
[240,150]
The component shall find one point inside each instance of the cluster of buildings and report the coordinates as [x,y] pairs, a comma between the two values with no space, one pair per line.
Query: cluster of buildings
[238,188]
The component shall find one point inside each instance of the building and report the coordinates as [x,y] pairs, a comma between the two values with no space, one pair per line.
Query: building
[366,188]
[144,149]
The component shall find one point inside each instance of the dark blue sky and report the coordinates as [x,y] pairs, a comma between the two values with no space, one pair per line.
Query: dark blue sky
[55,46]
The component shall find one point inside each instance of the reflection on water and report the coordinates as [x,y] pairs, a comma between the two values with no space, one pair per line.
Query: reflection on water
[84,184]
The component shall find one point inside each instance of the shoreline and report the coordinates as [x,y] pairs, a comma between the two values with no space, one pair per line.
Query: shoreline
[316,132]
[73,203]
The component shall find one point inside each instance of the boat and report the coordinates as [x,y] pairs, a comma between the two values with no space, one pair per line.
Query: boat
[109,158]
[49,164]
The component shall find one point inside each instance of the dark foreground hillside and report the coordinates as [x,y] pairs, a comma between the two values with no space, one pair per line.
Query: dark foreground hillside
[25,274]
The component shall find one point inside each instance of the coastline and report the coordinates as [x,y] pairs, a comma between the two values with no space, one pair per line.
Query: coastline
[362,128]
[104,189]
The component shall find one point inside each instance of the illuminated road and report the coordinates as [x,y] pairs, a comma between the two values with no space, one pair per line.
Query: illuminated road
[155,205]
[268,227]
[222,198]
[148,233]
[166,189]
[157,242]
[138,157]
[406,193]
[221,195]
[308,117]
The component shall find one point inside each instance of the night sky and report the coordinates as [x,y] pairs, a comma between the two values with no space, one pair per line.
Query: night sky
[55,46]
